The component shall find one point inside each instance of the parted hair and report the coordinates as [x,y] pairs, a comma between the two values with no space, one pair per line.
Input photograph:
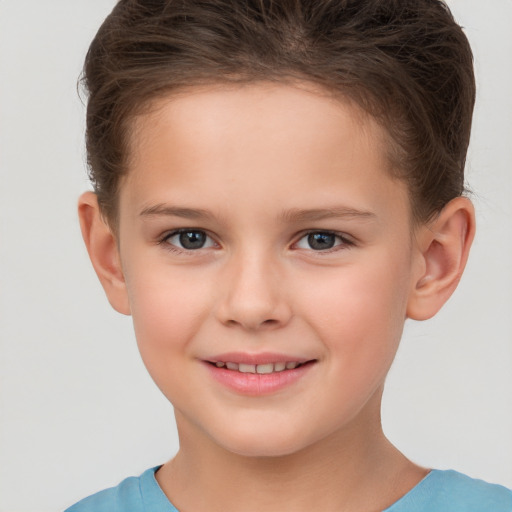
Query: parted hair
[405,62]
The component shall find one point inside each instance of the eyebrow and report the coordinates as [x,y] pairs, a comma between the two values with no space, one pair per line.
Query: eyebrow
[303,215]
[176,211]
[291,215]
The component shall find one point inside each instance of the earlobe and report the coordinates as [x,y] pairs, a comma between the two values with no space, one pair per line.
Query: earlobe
[103,251]
[443,252]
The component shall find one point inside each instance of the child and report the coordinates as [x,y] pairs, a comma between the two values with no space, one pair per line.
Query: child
[278,186]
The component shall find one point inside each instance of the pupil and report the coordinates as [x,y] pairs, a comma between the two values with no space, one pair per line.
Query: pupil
[321,241]
[192,239]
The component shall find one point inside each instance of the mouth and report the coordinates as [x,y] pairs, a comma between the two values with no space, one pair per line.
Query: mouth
[260,374]
[261,369]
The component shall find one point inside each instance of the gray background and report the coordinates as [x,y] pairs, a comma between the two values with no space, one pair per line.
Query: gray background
[78,411]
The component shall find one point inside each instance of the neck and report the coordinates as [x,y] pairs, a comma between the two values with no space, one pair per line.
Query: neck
[352,470]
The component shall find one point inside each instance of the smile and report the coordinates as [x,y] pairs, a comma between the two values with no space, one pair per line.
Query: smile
[258,368]
[258,374]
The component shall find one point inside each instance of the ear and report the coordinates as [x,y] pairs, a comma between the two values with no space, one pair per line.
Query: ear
[444,247]
[103,250]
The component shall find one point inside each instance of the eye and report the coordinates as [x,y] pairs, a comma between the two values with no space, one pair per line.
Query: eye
[189,239]
[322,241]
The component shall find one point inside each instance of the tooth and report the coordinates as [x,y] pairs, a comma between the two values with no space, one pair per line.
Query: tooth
[265,368]
[291,365]
[279,367]
[232,366]
[247,368]
[219,364]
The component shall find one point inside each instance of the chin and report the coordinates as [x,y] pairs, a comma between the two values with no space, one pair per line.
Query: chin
[261,450]
[264,443]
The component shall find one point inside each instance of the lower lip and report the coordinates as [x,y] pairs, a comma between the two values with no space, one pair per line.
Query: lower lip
[257,384]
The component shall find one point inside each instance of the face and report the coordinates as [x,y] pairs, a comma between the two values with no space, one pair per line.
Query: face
[268,258]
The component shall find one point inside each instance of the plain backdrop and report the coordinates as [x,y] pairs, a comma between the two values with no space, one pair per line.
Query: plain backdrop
[78,411]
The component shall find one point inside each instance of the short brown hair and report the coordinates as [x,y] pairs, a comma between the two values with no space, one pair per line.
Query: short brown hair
[406,62]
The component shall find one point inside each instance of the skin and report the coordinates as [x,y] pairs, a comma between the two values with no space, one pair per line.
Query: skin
[257,168]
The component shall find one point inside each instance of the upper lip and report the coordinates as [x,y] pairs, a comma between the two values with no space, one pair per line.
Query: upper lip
[256,358]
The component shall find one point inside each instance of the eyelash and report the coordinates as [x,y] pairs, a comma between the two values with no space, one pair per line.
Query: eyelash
[164,241]
[345,242]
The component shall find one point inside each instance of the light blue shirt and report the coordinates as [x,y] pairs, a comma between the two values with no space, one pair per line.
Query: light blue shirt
[439,491]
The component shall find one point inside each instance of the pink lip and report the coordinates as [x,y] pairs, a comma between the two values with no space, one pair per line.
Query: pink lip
[255,384]
[260,358]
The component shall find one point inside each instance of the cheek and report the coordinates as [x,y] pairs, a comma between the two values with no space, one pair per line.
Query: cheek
[167,309]
[358,314]
[360,309]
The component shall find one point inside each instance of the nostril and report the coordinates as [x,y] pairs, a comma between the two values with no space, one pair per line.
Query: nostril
[269,323]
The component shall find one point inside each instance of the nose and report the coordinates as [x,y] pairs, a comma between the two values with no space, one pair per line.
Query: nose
[253,294]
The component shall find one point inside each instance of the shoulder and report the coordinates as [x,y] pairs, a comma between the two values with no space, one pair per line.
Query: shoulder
[476,495]
[132,495]
[453,491]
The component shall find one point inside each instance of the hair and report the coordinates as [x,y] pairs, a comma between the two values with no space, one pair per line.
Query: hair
[405,62]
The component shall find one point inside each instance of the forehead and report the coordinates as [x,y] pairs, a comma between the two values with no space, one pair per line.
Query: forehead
[205,110]
[258,139]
